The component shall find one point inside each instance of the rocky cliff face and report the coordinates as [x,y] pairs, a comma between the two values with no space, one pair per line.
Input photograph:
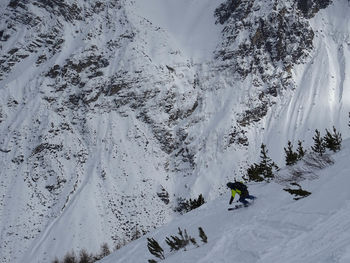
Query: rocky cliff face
[264,41]
[67,102]
[102,115]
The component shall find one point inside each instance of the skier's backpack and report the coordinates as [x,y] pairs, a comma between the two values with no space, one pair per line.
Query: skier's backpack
[241,187]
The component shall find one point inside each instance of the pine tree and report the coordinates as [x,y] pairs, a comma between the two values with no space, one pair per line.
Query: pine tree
[202,235]
[267,166]
[332,141]
[254,173]
[318,143]
[300,150]
[154,248]
[200,200]
[291,156]
[264,170]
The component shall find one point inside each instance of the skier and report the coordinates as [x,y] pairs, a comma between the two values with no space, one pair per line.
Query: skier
[241,189]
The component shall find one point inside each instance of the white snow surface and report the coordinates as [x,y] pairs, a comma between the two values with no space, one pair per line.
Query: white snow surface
[322,95]
[275,228]
[189,24]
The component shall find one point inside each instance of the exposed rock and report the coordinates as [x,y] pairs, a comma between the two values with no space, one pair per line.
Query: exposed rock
[163,195]
[275,38]
[310,7]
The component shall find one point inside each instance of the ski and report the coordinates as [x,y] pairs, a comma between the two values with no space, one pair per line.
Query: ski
[237,207]
[241,205]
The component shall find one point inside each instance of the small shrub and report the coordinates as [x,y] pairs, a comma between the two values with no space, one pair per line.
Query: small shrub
[175,243]
[136,234]
[178,242]
[104,251]
[195,203]
[301,152]
[299,193]
[291,156]
[84,257]
[202,235]
[319,146]
[332,141]
[120,244]
[184,206]
[70,258]
[193,241]
[154,248]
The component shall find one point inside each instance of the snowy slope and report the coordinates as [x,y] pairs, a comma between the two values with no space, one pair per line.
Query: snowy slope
[317,98]
[322,94]
[274,229]
[190,25]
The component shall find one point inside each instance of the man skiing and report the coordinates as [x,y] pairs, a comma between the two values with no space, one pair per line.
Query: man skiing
[242,190]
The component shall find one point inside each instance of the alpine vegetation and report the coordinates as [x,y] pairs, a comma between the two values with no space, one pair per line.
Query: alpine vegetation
[263,171]
[301,151]
[319,145]
[332,141]
[175,243]
[298,192]
[202,235]
[84,256]
[155,249]
[180,241]
[184,206]
[292,157]
[315,159]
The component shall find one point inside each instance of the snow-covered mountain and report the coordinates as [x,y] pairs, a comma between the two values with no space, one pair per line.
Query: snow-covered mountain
[111,110]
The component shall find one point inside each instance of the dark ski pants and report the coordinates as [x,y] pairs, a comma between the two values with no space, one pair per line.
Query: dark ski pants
[245,202]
